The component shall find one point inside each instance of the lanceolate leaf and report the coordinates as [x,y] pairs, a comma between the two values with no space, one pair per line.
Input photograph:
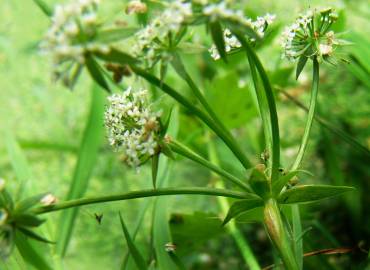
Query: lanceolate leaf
[138,258]
[34,235]
[118,57]
[218,38]
[311,193]
[155,161]
[301,63]
[44,7]
[242,206]
[96,73]
[278,185]
[89,149]
[28,220]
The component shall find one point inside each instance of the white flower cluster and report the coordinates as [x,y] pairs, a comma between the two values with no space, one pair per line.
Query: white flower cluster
[132,126]
[71,34]
[307,37]
[231,42]
[170,20]
[222,11]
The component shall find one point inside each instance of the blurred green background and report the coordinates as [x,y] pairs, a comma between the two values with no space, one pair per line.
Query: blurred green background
[48,123]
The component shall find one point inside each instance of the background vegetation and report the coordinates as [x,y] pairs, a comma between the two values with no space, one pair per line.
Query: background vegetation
[42,129]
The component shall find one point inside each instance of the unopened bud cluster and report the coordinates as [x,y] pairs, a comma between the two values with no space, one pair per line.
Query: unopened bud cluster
[311,35]
[71,35]
[132,127]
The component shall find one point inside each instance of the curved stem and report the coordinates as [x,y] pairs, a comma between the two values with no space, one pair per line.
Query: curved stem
[186,152]
[181,71]
[141,194]
[271,105]
[230,142]
[311,114]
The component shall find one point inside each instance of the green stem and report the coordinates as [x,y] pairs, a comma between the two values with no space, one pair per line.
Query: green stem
[311,114]
[271,105]
[230,142]
[140,194]
[241,241]
[181,71]
[278,234]
[186,152]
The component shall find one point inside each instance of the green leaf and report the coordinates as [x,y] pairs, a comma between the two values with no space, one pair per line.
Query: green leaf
[118,57]
[115,34]
[34,235]
[278,185]
[29,253]
[180,265]
[218,38]
[301,63]
[28,220]
[90,144]
[95,72]
[259,183]
[155,161]
[138,258]
[311,193]
[44,7]
[240,207]
[241,29]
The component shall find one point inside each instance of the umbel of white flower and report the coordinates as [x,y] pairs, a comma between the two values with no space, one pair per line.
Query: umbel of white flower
[132,127]
[311,35]
[71,35]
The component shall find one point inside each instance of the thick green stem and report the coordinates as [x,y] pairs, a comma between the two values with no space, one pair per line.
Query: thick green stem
[255,62]
[278,234]
[311,114]
[186,152]
[230,142]
[140,194]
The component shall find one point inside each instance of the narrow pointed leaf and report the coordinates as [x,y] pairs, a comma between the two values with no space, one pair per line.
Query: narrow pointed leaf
[218,38]
[118,57]
[89,148]
[28,220]
[311,193]
[240,207]
[180,265]
[278,185]
[34,235]
[96,73]
[301,64]
[155,161]
[138,258]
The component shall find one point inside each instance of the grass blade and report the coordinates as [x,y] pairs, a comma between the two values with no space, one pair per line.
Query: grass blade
[138,258]
[87,156]
[44,7]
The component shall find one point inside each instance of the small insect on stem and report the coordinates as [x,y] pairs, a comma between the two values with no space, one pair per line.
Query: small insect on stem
[98,217]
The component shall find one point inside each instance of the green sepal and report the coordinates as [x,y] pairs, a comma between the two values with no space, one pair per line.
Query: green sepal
[138,258]
[311,193]
[96,73]
[6,201]
[240,207]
